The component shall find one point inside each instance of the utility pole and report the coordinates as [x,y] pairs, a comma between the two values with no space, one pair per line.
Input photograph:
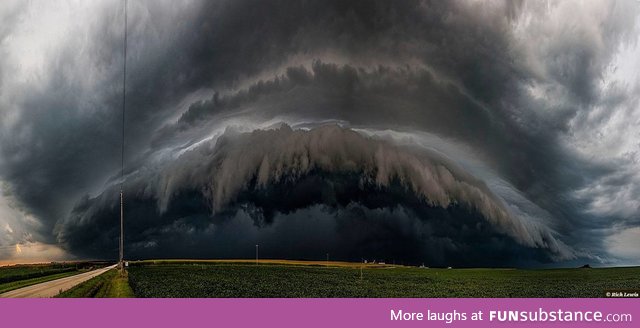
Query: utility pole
[121,260]
[124,93]
[327,259]
[257,254]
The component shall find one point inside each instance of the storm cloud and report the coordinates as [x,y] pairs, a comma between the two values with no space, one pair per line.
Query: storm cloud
[410,130]
[270,174]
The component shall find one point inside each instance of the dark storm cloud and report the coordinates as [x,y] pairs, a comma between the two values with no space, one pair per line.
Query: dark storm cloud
[278,172]
[409,98]
[518,82]
[350,233]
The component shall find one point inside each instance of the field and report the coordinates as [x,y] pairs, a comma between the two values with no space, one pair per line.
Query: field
[22,272]
[109,284]
[18,276]
[279,279]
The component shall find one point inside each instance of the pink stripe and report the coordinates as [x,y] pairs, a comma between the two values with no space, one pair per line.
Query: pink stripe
[178,313]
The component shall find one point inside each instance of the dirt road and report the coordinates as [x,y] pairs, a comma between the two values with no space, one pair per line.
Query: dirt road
[54,287]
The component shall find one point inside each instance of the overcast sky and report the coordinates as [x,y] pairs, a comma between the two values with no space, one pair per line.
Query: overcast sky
[459,133]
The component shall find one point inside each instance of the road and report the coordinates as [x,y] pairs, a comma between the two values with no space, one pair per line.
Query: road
[54,287]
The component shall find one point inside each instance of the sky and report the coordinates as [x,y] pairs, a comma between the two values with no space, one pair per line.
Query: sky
[457,133]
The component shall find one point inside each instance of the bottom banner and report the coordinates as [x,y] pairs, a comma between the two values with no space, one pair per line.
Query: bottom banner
[96,313]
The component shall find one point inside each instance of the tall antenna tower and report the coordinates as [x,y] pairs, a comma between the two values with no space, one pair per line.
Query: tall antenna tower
[124,101]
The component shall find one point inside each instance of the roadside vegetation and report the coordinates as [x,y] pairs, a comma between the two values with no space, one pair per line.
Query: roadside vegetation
[109,284]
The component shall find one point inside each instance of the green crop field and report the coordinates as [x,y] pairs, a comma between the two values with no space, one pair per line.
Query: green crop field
[28,271]
[219,279]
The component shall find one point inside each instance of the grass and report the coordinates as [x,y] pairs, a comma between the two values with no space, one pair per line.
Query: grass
[241,279]
[109,284]
[28,282]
